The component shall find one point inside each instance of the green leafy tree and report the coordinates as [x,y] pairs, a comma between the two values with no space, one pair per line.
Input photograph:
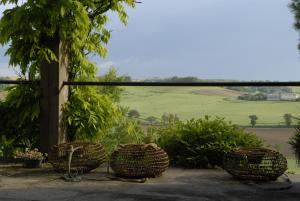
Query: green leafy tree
[169,118]
[28,26]
[133,114]
[253,119]
[288,118]
[113,92]
[20,112]
[295,8]
[151,119]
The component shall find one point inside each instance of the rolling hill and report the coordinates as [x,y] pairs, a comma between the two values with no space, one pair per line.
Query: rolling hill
[195,102]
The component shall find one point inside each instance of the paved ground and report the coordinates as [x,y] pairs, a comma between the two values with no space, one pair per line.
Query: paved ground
[17,184]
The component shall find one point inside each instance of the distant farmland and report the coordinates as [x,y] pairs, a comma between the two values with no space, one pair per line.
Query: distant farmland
[195,102]
[2,95]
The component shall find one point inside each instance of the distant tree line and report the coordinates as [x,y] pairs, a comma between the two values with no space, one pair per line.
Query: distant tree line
[166,118]
[171,118]
[121,78]
[288,119]
[184,79]
[175,79]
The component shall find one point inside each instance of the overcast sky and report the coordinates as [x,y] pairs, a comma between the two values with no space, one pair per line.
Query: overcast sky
[212,39]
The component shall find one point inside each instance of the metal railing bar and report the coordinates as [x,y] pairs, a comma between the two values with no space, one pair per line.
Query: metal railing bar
[183,84]
[208,84]
[17,82]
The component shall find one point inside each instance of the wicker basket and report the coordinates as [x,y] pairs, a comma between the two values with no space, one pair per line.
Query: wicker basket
[88,157]
[139,161]
[257,164]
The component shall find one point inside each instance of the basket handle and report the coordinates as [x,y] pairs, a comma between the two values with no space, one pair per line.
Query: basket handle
[72,150]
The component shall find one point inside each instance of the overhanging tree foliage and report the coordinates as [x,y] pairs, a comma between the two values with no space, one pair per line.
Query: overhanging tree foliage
[295,7]
[28,27]
[79,23]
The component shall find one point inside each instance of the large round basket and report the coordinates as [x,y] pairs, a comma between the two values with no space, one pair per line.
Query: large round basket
[88,157]
[139,161]
[257,164]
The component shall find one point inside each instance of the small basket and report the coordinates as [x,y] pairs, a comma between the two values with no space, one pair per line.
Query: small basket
[257,164]
[88,157]
[139,161]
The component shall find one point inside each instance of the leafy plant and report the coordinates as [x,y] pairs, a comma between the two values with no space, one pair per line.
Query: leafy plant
[151,136]
[202,143]
[295,142]
[288,118]
[19,120]
[6,147]
[253,119]
[151,119]
[111,91]
[133,114]
[89,114]
[29,27]
[295,8]
[169,118]
[123,132]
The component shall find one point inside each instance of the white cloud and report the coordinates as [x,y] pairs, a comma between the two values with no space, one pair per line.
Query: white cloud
[5,71]
[107,64]
[103,67]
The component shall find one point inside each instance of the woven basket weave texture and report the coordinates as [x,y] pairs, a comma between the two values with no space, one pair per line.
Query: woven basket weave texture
[257,164]
[88,157]
[139,161]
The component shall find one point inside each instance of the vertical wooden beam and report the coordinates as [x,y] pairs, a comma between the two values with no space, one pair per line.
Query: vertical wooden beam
[54,95]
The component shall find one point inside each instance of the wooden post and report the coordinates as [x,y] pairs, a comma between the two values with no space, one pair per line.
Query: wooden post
[54,95]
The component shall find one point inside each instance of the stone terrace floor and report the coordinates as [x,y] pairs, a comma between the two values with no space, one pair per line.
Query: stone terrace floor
[18,184]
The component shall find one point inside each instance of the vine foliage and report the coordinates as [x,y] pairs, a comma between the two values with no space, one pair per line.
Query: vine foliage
[295,8]
[81,24]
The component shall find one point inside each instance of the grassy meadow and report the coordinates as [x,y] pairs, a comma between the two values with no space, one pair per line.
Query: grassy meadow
[195,102]
[293,166]
[3,95]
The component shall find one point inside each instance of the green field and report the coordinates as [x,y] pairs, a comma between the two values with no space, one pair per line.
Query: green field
[2,95]
[293,166]
[195,102]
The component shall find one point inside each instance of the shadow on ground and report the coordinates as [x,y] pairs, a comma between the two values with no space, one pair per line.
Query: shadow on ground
[18,184]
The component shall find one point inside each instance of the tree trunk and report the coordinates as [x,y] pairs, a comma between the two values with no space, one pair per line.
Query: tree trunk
[53,95]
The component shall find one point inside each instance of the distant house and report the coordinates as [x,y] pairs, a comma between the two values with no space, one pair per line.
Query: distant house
[289,96]
[273,97]
[282,96]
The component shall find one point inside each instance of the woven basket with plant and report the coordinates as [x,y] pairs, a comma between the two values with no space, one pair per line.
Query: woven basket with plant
[139,161]
[257,164]
[87,157]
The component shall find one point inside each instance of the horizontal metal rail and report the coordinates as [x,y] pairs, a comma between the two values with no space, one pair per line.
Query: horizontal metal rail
[17,82]
[169,84]
[187,84]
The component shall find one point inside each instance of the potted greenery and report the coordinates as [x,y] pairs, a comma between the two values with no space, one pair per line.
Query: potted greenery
[32,158]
